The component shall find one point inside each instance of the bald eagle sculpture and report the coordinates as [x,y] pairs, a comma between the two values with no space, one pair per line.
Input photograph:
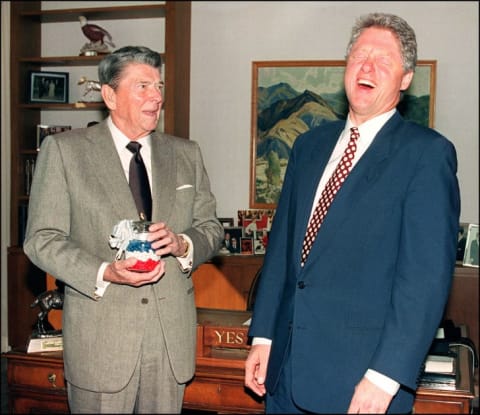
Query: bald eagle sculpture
[95,33]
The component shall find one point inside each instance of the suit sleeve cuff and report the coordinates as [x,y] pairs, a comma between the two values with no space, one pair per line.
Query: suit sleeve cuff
[261,340]
[383,382]
[186,262]
[101,285]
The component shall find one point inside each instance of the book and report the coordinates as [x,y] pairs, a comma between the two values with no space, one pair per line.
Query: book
[439,364]
[29,171]
[22,222]
[43,130]
[436,385]
[48,343]
[439,372]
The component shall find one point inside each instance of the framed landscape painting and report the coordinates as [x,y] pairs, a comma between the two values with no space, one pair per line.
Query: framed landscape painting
[292,97]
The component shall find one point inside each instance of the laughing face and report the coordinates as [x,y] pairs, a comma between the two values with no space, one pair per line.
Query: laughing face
[374,75]
[136,102]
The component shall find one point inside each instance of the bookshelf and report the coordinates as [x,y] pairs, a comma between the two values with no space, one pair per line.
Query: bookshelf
[25,281]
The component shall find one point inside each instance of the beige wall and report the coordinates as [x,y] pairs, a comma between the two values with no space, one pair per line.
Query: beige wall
[228,36]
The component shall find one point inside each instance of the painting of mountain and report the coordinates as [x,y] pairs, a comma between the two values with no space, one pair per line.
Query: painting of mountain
[292,97]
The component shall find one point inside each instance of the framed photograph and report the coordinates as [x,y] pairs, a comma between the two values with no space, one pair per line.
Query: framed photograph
[231,241]
[253,220]
[260,242]
[48,87]
[462,241]
[43,130]
[470,258]
[246,246]
[292,97]
[226,222]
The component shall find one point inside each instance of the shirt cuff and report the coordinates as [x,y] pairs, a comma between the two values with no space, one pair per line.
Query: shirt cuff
[261,340]
[101,285]
[186,262]
[383,382]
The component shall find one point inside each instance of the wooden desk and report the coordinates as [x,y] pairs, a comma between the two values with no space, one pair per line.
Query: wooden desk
[36,385]
[36,382]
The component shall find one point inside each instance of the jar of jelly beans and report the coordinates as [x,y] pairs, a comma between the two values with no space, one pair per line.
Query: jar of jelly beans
[141,249]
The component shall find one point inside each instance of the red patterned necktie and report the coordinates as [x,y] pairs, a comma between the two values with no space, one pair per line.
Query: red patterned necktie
[328,194]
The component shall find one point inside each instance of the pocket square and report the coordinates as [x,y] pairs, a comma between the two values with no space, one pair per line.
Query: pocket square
[184,186]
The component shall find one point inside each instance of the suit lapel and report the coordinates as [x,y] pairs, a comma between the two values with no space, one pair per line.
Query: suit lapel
[312,171]
[103,161]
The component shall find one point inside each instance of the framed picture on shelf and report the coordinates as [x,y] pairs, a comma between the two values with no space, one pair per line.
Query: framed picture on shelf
[462,240]
[470,258]
[292,97]
[253,220]
[260,242]
[231,241]
[43,130]
[226,222]
[48,87]
[246,246]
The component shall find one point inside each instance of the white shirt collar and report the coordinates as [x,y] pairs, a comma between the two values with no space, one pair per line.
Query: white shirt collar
[121,140]
[371,127]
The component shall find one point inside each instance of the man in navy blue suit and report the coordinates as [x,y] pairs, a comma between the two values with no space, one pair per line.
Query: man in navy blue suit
[347,329]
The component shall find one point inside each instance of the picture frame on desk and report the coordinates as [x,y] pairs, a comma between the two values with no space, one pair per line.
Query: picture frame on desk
[252,220]
[231,240]
[226,222]
[246,247]
[260,242]
[47,87]
[462,241]
[470,258]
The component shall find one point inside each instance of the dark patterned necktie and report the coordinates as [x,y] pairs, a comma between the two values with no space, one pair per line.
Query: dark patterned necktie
[328,194]
[138,181]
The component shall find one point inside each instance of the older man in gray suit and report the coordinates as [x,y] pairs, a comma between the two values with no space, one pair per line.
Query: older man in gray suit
[129,337]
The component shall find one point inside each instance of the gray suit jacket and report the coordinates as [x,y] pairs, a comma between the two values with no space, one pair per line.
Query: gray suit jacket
[79,193]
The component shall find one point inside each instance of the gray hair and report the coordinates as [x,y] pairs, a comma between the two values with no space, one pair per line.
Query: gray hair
[399,27]
[111,67]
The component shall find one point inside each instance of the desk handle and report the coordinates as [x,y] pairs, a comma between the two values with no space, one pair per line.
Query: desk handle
[52,378]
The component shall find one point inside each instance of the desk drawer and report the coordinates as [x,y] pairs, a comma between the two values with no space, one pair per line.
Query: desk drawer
[50,377]
[221,396]
[431,405]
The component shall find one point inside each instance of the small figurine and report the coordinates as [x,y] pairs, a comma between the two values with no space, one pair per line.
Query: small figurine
[48,300]
[92,90]
[98,36]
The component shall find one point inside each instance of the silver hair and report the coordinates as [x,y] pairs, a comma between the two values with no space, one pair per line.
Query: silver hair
[398,26]
[111,67]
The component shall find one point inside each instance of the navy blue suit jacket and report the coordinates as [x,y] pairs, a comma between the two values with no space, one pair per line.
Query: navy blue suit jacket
[373,289]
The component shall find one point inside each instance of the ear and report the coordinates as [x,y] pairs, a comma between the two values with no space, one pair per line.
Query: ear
[109,97]
[406,81]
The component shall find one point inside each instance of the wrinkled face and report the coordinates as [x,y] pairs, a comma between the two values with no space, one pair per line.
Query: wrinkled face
[136,103]
[374,75]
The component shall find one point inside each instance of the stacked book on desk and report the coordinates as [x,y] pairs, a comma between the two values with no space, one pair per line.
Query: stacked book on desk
[440,372]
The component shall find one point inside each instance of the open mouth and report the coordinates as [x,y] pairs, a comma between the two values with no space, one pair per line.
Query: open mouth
[366,83]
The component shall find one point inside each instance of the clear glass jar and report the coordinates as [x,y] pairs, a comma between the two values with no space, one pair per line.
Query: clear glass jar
[138,247]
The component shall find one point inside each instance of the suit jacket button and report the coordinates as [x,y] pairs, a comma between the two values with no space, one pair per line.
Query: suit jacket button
[144,300]
[301,285]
